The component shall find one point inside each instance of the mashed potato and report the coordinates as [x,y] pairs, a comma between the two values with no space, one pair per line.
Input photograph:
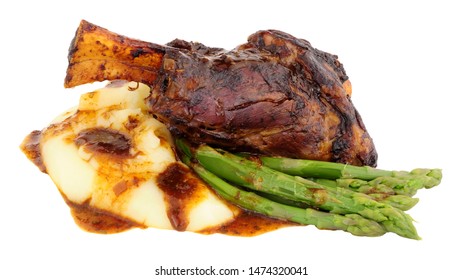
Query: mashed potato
[114,164]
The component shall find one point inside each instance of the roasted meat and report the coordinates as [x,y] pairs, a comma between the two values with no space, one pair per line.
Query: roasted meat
[275,94]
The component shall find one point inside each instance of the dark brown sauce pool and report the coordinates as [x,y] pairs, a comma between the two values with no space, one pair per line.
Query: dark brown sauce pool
[96,220]
[249,224]
[180,193]
[104,140]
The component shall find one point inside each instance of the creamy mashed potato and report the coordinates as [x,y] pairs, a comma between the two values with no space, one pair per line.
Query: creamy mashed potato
[111,159]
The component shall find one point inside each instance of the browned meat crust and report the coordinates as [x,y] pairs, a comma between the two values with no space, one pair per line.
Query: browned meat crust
[275,94]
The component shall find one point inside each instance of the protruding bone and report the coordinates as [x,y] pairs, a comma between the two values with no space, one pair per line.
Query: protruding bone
[97,54]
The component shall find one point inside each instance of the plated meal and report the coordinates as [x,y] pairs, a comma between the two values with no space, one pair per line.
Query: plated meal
[240,142]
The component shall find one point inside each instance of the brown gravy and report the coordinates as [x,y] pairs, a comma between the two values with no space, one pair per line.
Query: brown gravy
[31,148]
[96,220]
[180,193]
[104,140]
[246,224]
[249,224]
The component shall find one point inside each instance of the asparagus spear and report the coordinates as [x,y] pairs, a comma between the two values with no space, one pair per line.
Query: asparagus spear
[353,223]
[379,192]
[402,202]
[402,182]
[252,175]
[357,185]
[322,169]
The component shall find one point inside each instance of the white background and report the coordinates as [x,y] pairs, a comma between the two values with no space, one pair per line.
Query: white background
[404,60]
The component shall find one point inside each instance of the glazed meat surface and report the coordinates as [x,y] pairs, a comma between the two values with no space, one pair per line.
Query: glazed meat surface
[275,94]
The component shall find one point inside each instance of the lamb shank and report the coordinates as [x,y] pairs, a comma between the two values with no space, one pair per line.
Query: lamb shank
[274,95]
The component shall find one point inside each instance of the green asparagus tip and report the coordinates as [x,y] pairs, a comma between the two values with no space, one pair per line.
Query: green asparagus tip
[401,224]
[363,227]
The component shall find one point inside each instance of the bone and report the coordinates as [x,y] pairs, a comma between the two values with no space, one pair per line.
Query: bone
[97,54]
